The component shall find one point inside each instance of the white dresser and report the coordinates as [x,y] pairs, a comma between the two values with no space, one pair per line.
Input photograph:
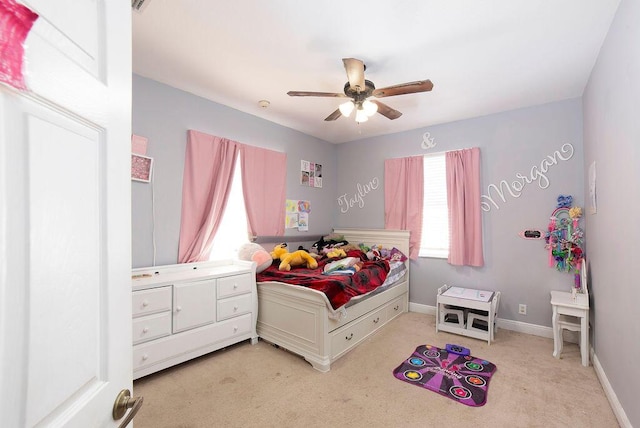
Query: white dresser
[184,311]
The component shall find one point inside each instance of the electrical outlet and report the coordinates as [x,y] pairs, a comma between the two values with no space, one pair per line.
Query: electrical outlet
[522,309]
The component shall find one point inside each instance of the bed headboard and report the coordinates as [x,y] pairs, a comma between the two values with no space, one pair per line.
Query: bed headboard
[388,238]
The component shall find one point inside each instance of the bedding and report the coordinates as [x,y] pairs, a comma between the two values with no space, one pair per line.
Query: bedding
[339,288]
[397,271]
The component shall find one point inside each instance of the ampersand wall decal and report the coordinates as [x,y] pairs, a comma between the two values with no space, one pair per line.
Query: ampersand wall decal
[427,141]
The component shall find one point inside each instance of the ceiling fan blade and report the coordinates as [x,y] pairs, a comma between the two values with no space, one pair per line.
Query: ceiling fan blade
[387,111]
[355,73]
[333,116]
[314,94]
[404,88]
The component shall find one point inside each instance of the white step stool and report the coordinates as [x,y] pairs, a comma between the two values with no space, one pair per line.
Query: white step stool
[478,320]
[452,315]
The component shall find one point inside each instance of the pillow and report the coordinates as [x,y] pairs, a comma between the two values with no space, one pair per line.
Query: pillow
[252,252]
[396,255]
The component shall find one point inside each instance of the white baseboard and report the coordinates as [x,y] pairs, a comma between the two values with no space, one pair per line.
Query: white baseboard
[522,327]
[621,416]
[538,330]
[422,309]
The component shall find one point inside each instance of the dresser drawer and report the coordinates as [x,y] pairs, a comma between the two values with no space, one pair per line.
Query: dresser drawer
[153,300]
[151,327]
[344,339]
[158,352]
[234,285]
[233,306]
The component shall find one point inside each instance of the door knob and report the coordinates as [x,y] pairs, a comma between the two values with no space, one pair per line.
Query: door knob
[122,404]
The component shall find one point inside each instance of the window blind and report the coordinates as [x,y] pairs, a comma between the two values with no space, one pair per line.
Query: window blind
[435,216]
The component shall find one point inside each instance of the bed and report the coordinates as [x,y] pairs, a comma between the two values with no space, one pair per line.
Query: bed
[303,321]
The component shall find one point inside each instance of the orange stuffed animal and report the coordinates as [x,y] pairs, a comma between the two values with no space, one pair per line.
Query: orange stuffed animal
[297,258]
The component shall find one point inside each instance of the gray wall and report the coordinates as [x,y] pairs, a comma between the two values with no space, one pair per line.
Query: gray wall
[163,115]
[611,137]
[510,143]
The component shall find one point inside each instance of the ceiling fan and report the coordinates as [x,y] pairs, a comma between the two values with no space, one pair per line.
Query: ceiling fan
[361,92]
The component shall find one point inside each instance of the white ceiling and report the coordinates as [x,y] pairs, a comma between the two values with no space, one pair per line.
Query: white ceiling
[483,57]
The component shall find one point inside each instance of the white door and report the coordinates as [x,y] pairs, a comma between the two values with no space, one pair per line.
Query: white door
[65,294]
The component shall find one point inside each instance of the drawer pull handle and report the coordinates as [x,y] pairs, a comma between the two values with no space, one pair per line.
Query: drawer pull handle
[349,337]
[375,321]
[396,307]
[145,330]
[145,304]
[145,357]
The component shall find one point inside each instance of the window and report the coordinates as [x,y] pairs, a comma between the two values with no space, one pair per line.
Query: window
[435,215]
[232,232]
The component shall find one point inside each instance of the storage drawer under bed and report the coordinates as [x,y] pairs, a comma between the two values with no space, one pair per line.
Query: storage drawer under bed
[345,338]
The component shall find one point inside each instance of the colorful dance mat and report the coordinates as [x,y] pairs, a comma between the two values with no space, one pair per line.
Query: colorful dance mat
[462,378]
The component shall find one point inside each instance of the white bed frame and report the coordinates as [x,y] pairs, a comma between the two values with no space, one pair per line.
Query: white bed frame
[298,318]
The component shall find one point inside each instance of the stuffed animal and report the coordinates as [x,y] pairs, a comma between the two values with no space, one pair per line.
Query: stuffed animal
[331,240]
[336,252]
[278,250]
[255,253]
[374,253]
[297,258]
[349,247]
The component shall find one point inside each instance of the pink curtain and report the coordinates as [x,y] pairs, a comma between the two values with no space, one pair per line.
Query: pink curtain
[208,173]
[463,199]
[403,198]
[264,186]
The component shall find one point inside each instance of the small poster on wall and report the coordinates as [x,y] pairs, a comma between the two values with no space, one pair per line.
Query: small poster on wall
[291,214]
[310,174]
[139,145]
[141,164]
[141,168]
[297,214]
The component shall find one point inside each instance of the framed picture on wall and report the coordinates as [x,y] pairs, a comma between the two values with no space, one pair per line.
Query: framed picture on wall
[141,167]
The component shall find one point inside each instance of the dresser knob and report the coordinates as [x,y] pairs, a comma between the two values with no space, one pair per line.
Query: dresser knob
[235,308]
[145,357]
[235,286]
[235,328]
[145,304]
[146,329]
[178,308]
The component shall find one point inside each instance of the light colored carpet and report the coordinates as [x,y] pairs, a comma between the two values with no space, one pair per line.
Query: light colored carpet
[263,386]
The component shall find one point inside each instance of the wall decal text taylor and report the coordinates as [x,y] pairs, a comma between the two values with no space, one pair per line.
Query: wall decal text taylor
[358,197]
[537,174]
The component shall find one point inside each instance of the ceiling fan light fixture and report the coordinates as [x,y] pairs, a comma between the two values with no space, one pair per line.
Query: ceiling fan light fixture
[358,90]
[369,108]
[361,116]
[346,108]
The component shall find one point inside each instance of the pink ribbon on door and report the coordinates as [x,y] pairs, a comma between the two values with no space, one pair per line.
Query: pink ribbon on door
[16,21]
